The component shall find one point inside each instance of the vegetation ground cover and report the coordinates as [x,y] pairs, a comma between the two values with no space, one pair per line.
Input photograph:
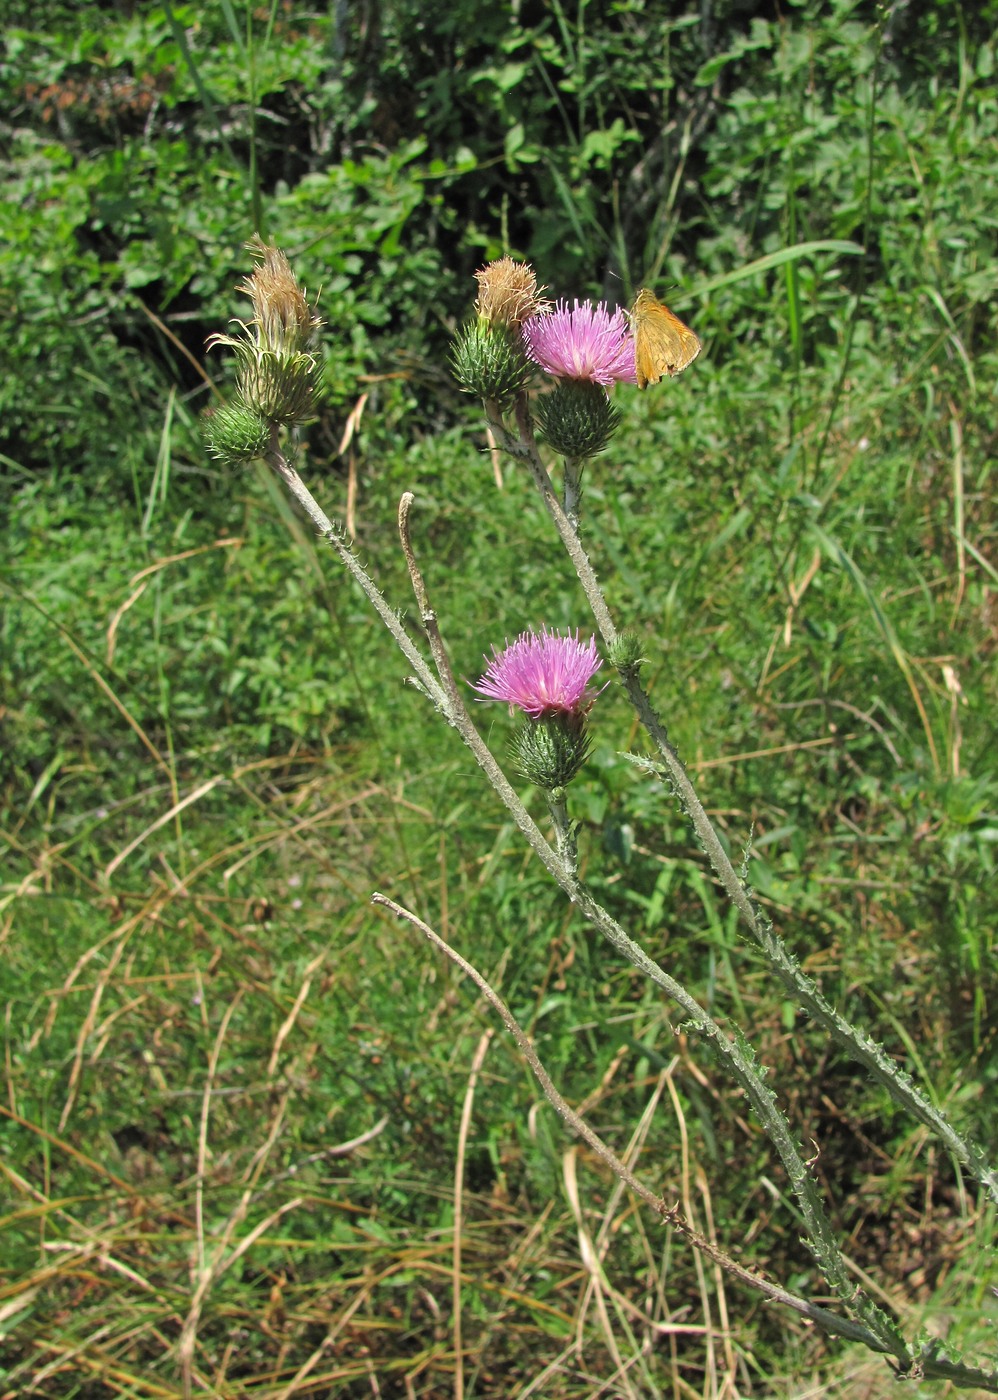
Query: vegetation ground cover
[221,1065]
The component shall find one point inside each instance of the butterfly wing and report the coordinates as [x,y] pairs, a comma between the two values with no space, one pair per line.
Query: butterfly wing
[663,344]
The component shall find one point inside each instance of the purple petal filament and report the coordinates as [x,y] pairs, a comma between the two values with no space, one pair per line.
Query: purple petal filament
[542,673]
[586,342]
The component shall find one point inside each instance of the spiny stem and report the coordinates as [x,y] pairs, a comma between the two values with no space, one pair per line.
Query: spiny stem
[564,832]
[560,864]
[830,1322]
[573,491]
[334,535]
[859,1046]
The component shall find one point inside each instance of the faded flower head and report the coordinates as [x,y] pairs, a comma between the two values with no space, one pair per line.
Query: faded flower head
[508,293]
[284,320]
[586,342]
[543,674]
[278,374]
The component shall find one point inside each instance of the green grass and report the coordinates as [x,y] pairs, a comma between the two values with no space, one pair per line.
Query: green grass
[231,1126]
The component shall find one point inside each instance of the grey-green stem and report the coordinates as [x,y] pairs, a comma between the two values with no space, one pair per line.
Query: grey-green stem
[564,832]
[828,1321]
[448,700]
[859,1046]
[445,698]
[573,491]
[926,1365]
[560,864]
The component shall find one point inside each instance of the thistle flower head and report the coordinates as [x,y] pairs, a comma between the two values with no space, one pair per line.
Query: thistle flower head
[584,342]
[278,374]
[543,674]
[508,293]
[284,321]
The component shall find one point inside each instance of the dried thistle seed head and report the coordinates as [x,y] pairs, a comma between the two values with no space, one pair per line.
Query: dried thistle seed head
[508,293]
[285,321]
[278,374]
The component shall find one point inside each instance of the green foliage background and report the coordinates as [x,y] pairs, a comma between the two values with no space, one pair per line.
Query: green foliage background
[209,759]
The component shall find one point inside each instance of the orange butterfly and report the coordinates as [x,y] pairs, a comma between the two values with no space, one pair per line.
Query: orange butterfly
[663,344]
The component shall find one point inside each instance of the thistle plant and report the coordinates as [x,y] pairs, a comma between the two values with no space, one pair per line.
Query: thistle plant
[548,677]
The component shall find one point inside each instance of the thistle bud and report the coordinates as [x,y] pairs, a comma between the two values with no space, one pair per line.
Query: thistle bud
[576,418]
[235,433]
[488,360]
[550,751]
[624,652]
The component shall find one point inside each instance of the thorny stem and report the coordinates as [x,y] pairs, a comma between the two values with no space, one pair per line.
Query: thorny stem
[334,535]
[858,1045]
[429,618]
[852,1040]
[444,696]
[448,700]
[828,1321]
[569,538]
[573,491]
[564,833]
[578,1125]
[740,1063]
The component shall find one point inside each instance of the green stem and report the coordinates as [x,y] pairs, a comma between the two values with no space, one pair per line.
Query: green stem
[828,1321]
[334,535]
[564,832]
[573,491]
[560,864]
[447,698]
[859,1046]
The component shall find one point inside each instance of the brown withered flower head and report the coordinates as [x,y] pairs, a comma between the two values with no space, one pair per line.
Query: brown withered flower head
[285,322]
[508,293]
[278,373]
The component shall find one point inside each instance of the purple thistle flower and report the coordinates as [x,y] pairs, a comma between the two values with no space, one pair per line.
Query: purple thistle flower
[543,673]
[588,342]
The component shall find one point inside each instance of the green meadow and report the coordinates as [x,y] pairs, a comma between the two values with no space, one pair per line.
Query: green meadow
[258,1138]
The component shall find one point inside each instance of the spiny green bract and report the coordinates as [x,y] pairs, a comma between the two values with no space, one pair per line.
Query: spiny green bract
[235,433]
[549,751]
[488,360]
[577,419]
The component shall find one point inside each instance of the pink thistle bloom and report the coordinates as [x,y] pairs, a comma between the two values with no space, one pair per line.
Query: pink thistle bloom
[543,673]
[588,342]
